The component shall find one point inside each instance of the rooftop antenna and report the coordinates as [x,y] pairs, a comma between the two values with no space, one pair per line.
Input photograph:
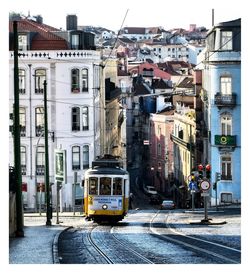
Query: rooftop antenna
[212,17]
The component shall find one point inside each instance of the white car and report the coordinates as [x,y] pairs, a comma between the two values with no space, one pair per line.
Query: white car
[149,190]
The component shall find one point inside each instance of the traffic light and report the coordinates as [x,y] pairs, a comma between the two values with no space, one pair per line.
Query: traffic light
[208,171]
[215,186]
[200,170]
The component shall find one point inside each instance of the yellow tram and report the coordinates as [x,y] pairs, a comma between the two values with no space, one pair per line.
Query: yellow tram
[106,190]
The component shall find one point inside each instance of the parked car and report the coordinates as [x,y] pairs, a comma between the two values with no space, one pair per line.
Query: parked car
[155,199]
[149,190]
[167,204]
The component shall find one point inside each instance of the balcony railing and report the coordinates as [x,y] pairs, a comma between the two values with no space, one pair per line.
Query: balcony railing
[40,169]
[225,100]
[225,141]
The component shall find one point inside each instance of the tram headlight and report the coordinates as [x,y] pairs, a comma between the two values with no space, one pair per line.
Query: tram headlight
[104,206]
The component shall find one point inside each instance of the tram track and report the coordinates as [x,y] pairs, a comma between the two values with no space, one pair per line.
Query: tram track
[115,245]
[222,253]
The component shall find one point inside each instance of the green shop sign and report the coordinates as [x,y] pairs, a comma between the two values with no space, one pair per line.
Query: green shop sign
[225,140]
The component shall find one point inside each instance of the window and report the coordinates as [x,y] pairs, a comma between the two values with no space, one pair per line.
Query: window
[226,197]
[85,157]
[85,80]
[159,149]
[75,119]
[75,84]
[75,41]
[39,120]
[105,186]
[22,42]
[117,186]
[22,117]
[21,73]
[85,118]
[40,160]
[226,167]
[226,125]
[226,85]
[23,159]
[75,158]
[226,40]
[93,185]
[40,77]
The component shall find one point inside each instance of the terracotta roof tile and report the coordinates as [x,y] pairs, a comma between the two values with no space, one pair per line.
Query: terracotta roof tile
[44,38]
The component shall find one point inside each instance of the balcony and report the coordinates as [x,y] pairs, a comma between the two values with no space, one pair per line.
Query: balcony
[225,100]
[225,141]
[40,169]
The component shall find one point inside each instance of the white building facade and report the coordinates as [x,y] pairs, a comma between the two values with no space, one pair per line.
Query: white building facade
[73,107]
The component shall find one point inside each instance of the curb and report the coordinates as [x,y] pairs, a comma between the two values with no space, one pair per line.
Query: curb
[55,257]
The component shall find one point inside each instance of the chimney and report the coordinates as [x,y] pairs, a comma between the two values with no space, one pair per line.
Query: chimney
[71,22]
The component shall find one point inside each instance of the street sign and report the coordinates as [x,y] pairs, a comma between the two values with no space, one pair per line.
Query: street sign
[60,165]
[204,194]
[205,185]
[193,186]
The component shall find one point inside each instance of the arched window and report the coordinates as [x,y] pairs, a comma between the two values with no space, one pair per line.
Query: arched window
[75,83]
[85,80]
[75,119]
[85,157]
[22,81]
[39,120]
[40,77]
[22,117]
[76,158]
[40,160]
[85,118]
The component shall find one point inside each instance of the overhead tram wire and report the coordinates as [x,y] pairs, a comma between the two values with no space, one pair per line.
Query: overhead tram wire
[117,36]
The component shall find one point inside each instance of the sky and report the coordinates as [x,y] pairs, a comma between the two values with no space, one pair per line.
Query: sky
[111,13]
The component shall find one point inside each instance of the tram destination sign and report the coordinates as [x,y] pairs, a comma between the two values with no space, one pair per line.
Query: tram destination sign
[60,166]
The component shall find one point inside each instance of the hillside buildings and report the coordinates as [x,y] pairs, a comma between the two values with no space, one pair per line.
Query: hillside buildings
[139,95]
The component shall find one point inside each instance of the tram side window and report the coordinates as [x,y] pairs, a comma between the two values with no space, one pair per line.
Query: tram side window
[93,185]
[105,186]
[117,186]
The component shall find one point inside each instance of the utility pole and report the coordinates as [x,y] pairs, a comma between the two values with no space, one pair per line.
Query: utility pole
[48,206]
[17,156]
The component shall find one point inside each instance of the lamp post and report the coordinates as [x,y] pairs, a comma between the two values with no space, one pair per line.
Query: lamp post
[36,174]
[48,206]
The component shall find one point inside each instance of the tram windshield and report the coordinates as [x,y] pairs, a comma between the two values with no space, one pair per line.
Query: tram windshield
[117,186]
[105,186]
[93,185]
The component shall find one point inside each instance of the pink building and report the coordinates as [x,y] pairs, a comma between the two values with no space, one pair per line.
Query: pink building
[161,150]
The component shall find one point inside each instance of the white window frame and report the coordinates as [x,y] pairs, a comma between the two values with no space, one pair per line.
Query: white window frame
[40,77]
[226,85]
[226,40]
[22,80]
[22,42]
[85,156]
[76,157]
[226,163]
[226,125]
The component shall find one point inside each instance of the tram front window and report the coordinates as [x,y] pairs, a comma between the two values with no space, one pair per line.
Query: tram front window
[93,185]
[117,186]
[105,186]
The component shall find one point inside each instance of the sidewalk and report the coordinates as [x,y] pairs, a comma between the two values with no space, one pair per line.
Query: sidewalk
[39,244]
